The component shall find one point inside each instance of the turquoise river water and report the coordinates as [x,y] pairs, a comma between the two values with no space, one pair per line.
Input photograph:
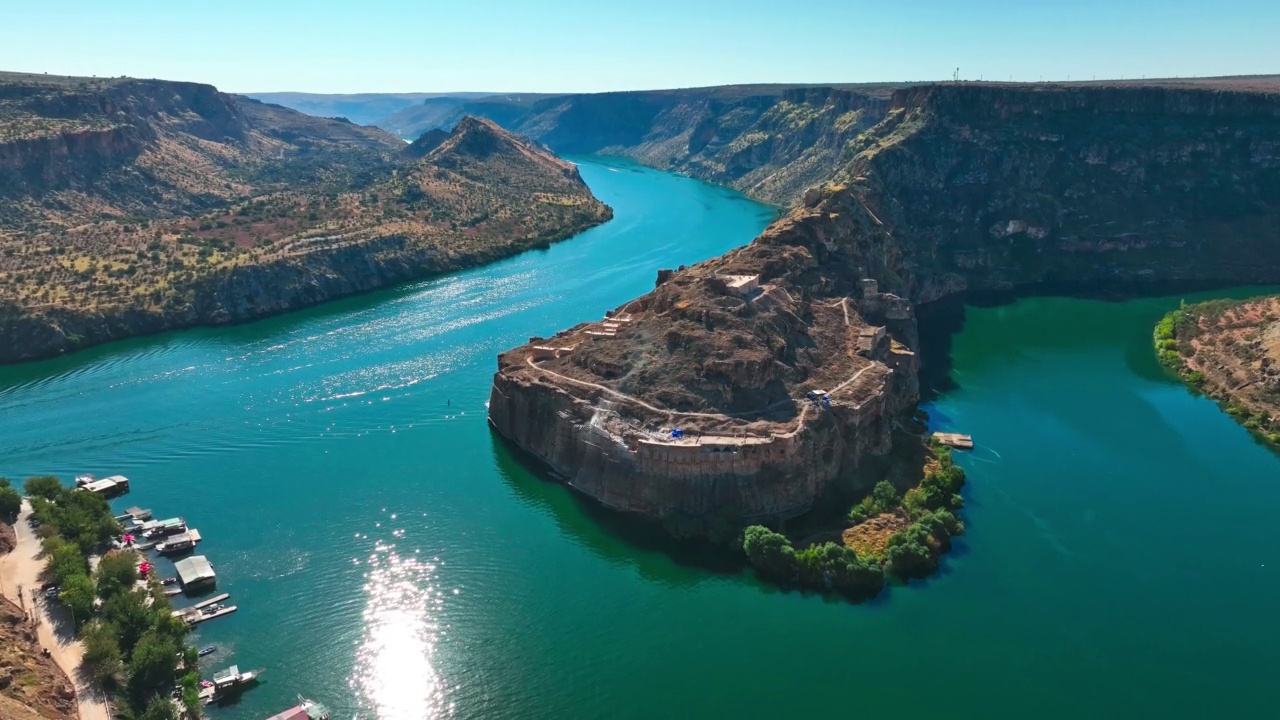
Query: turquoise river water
[392,559]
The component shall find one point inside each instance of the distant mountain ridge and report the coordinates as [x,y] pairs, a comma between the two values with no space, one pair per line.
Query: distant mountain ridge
[359,108]
[772,142]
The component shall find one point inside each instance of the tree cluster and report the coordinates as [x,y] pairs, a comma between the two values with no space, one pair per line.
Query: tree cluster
[133,646]
[826,566]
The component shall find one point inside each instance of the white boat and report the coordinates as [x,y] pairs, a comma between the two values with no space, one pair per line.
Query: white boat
[227,682]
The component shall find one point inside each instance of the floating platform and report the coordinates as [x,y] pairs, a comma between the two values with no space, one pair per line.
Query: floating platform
[193,614]
[955,440]
[198,617]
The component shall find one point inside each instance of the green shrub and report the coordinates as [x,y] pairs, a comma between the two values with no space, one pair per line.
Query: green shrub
[10,502]
[47,487]
[769,553]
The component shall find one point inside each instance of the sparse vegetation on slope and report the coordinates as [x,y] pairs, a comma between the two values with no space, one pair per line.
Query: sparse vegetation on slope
[207,208]
[1229,350]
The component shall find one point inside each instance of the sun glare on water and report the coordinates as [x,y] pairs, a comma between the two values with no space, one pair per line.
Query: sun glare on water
[394,678]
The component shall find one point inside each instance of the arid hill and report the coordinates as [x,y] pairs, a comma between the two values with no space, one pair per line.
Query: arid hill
[1230,349]
[130,207]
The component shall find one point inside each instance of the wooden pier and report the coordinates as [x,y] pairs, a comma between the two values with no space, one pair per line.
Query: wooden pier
[193,616]
[955,440]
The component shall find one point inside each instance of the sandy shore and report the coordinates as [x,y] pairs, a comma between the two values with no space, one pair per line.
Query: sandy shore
[21,569]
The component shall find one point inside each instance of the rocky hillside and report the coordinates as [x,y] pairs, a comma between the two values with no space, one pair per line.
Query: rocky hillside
[959,187]
[138,206]
[360,108]
[1230,350]
[31,684]
[771,142]
[74,149]
[444,112]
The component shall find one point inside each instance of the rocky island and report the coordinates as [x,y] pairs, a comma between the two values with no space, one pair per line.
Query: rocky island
[1230,350]
[781,379]
[134,206]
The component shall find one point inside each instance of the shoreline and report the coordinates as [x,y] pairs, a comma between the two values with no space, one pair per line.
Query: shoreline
[57,332]
[21,568]
[1214,357]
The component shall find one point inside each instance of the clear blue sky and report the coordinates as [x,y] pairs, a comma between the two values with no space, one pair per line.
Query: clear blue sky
[593,45]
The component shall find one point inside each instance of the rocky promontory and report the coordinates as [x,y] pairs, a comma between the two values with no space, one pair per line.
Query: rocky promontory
[759,384]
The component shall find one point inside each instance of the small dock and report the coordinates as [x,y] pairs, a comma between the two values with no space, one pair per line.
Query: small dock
[198,617]
[194,615]
[955,440]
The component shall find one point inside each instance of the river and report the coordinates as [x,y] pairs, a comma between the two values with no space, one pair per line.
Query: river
[391,559]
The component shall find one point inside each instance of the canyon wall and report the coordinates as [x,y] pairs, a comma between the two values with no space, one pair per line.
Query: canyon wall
[768,141]
[959,187]
[995,188]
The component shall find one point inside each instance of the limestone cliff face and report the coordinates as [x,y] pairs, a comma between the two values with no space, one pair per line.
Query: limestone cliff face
[960,187]
[999,189]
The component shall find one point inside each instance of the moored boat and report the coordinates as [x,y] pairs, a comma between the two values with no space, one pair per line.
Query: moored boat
[304,710]
[226,683]
[180,543]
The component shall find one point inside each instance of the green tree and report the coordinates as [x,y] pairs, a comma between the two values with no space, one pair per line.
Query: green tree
[159,709]
[769,552]
[910,560]
[191,692]
[46,486]
[77,594]
[101,651]
[65,560]
[885,496]
[129,613]
[117,572]
[10,502]
[153,663]
[843,570]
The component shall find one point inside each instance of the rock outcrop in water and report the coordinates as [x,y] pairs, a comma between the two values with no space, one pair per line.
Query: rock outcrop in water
[960,187]
[130,207]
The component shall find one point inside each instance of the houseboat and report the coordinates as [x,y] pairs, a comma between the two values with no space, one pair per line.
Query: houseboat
[106,487]
[227,683]
[153,529]
[180,543]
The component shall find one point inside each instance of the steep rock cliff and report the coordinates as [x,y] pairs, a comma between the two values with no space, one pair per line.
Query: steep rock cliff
[959,187]
[1000,188]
